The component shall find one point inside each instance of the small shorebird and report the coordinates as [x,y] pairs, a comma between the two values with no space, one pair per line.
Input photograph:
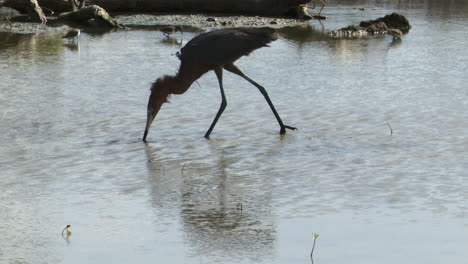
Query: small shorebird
[396,33]
[72,34]
[167,31]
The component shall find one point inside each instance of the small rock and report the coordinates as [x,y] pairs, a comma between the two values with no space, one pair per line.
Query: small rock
[210,19]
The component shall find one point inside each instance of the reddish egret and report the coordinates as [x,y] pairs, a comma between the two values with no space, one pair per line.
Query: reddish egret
[215,50]
[72,34]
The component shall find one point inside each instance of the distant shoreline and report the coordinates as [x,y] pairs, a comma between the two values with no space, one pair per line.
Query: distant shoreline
[138,20]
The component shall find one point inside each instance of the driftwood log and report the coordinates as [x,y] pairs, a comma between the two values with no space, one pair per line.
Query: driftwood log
[31,7]
[252,7]
[86,14]
[372,27]
[257,7]
[96,14]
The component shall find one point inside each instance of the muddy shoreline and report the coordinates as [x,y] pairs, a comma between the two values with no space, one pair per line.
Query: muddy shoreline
[200,22]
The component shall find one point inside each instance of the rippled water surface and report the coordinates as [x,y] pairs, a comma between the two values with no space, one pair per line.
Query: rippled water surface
[72,118]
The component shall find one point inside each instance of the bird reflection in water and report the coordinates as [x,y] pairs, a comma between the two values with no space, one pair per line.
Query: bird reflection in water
[72,46]
[171,41]
[395,43]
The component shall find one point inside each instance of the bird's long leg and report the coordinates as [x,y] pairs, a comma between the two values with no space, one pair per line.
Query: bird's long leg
[219,74]
[323,5]
[232,68]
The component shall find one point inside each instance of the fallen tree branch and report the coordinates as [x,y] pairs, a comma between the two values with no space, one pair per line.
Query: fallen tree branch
[33,9]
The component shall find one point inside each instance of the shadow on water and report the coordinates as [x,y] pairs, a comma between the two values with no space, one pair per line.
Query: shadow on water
[303,33]
[96,32]
[206,196]
[22,48]
[395,43]
[72,46]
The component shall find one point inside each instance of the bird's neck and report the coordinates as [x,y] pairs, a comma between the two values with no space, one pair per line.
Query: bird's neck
[178,84]
[187,74]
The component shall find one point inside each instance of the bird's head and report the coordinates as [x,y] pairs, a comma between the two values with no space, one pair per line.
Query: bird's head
[160,91]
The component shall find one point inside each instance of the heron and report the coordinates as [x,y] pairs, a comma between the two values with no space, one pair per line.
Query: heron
[215,50]
[72,34]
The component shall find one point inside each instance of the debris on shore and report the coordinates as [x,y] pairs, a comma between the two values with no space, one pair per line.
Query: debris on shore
[374,27]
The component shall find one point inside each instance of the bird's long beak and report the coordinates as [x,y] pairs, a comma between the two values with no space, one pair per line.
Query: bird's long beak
[149,120]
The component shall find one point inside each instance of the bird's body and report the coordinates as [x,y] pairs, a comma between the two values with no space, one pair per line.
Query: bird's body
[215,50]
[221,47]
[167,31]
[396,33]
[72,34]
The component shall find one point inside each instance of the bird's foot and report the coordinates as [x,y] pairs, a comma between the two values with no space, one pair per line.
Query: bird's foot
[283,129]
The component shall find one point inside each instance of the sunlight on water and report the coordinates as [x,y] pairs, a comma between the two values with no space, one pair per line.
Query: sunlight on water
[377,167]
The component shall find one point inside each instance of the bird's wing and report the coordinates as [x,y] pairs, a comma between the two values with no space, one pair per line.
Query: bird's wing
[71,34]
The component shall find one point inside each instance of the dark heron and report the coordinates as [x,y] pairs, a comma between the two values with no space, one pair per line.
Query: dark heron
[215,50]
[72,34]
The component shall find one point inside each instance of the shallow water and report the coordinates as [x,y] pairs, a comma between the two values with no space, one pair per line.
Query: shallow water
[72,118]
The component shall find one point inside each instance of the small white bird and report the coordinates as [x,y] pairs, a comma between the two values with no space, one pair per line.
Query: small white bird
[72,34]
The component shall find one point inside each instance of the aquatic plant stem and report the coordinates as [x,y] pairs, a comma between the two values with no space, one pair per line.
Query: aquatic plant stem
[315,235]
[313,247]
[391,130]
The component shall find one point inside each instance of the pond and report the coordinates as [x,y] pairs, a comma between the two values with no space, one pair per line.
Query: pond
[378,167]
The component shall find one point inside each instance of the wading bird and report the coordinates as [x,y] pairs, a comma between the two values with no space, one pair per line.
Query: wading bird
[167,31]
[72,34]
[215,50]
